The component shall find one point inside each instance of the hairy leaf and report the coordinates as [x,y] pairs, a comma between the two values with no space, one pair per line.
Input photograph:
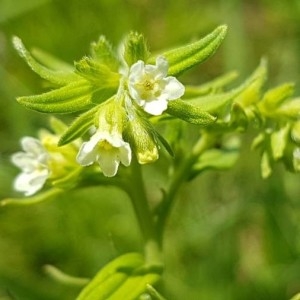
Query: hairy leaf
[186,57]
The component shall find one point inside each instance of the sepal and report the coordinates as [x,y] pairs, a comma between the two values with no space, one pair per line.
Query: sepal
[99,74]
[103,53]
[142,138]
[135,48]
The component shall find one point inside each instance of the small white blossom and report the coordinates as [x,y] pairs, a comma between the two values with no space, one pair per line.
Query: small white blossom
[34,166]
[106,149]
[150,86]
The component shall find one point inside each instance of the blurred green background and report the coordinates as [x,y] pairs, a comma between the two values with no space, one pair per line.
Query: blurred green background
[236,237]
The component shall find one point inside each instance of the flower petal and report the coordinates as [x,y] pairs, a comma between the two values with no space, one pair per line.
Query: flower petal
[173,89]
[108,163]
[125,154]
[30,183]
[86,155]
[162,65]
[156,107]
[32,145]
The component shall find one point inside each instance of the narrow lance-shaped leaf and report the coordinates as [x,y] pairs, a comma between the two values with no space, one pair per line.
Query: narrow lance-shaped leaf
[135,48]
[103,53]
[211,87]
[79,126]
[56,77]
[73,97]
[189,113]
[98,73]
[111,276]
[186,57]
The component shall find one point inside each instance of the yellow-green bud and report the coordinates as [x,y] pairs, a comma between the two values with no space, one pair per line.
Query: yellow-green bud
[141,136]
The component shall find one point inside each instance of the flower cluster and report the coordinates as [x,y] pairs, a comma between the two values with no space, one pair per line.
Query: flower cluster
[119,94]
[148,86]
[42,161]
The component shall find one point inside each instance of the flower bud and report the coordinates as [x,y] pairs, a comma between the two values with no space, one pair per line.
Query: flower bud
[141,136]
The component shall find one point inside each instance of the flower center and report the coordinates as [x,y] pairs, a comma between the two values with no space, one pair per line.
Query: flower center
[105,145]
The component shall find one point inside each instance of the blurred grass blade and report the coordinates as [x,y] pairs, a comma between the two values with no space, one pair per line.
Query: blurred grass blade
[52,193]
[64,278]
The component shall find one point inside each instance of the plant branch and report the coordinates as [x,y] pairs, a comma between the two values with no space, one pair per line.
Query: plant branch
[180,176]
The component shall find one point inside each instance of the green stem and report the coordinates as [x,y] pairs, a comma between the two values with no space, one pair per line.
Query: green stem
[180,176]
[137,193]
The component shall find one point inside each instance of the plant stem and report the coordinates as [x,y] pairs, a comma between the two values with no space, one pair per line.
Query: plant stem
[179,177]
[137,194]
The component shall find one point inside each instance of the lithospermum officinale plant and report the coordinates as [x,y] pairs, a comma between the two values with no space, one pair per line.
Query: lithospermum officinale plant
[131,109]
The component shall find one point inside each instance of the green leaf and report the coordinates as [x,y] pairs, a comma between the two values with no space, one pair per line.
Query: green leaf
[295,132]
[165,143]
[103,53]
[216,159]
[183,58]
[214,103]
[79,126]
[50,61]
[135,48]
[251,88]
[110,277]
[290,109]
[296,297]
[57,126]
[97,73]
[75,96]
[56,77]
[135,286]
[279,140]
[266,165]
[189,113]
[276,96]
[154,293]
[40,197]
[211,87]
[64,278]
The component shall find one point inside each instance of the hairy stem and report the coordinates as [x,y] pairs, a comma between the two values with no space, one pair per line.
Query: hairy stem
[137,193]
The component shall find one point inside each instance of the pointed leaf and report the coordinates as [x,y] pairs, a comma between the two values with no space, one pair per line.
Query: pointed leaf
[73,97]
[79,126]
[56,77]
[211,87]
[274,97]
[64,278]
[135,48]
[186,57]
[103,53]
[50,61]
[40,197]
[97,73]
[279,141]
[189,113]
[111,276]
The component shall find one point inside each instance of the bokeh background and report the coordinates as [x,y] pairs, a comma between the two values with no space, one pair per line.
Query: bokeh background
[231,235]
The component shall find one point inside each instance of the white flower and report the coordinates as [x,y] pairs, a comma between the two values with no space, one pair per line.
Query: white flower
[34,166]
[150,86]
[106,149]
